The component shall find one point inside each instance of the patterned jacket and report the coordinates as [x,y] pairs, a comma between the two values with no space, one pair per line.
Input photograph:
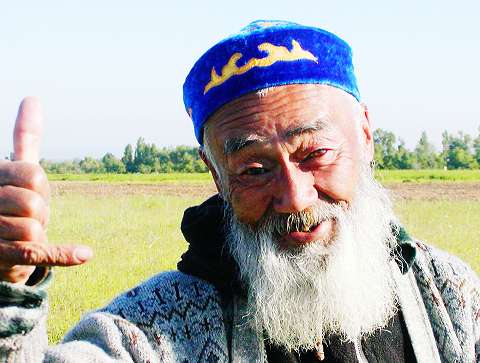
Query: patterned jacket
[175,317]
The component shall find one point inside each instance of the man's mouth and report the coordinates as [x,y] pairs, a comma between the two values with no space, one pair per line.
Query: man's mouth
[317,232]
[309,228]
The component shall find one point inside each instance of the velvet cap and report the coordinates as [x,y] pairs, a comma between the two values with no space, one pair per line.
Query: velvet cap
[264,54]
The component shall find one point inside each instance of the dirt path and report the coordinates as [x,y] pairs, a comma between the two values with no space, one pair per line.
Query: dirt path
[408,191]
[436,191]
[104,189]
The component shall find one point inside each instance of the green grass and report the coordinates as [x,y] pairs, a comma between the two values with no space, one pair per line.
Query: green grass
[133,238]
[450,225]
[385,176]
[422,176]
[137,236]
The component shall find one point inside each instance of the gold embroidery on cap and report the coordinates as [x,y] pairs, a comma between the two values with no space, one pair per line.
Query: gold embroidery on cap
[266,24]
[275,54]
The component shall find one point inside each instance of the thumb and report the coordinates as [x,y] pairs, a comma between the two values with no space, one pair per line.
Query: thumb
[28,131]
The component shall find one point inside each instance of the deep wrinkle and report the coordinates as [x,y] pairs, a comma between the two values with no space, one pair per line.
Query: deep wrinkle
[303,142]
[289,174]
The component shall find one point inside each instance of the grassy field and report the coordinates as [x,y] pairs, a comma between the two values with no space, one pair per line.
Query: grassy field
[135,236]
[428,176]
[386,176]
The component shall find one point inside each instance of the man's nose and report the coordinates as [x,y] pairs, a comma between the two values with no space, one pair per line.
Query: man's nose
[295,190]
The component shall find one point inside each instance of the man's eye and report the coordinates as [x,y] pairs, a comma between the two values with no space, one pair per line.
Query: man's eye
[255,171]
[317,153]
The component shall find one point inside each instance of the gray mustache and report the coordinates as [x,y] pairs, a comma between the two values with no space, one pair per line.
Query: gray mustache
[280,224]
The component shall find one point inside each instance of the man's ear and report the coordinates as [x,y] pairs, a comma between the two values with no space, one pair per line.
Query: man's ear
[367,133]
[212,170]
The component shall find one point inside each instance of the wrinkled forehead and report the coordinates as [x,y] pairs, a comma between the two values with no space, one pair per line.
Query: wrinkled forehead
[285,110]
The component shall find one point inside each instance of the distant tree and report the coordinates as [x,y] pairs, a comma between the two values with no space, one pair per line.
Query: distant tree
[385,150]
[199,166]
[145,156]
[445,147]
[425,154]
[457,151]
[404,158]
[127,159]
[183,158]
[91,165]
[476,147]
[113,165]
[163,163]
[144,169]
[62,167]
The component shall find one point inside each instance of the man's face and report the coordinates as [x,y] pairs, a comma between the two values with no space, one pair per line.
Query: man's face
[289,149]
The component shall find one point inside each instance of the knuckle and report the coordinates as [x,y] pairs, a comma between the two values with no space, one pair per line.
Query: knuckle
[51,255]
[4,191]
[56,255]
[34,231]
[34,205]
[61,255]
[31,255]
[5,224]
[8,229]
[38,178]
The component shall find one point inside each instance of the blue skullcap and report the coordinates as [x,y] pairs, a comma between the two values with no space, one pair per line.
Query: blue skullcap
[265,54]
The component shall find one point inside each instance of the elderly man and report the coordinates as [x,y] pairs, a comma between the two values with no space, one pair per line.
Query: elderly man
[298,259]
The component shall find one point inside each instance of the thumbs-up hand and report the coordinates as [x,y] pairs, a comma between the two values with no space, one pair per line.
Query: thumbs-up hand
[24,205]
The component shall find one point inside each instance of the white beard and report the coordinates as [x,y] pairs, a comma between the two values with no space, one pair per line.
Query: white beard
[299,297]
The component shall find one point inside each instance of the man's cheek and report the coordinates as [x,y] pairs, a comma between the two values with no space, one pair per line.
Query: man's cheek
[249,205]
[338,184]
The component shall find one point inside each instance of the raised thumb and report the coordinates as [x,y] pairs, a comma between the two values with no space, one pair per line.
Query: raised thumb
[27,135]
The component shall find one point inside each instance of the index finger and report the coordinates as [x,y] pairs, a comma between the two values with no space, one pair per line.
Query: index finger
[41,254]
[28,131]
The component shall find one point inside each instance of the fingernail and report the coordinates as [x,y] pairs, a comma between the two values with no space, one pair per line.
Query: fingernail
[83,254]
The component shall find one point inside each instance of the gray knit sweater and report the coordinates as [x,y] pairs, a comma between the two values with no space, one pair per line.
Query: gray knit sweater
[174,317]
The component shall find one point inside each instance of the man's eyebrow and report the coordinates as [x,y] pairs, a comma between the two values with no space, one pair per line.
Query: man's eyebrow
[315,126]
[235,144]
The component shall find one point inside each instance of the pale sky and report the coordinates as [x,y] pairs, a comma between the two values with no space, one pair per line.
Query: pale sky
[109,72]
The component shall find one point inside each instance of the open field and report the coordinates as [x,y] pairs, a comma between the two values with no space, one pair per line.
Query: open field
[134,230]
[385,176]
[408,191]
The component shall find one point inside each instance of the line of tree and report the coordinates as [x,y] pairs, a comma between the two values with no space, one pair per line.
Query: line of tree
[459,151]
[143,158]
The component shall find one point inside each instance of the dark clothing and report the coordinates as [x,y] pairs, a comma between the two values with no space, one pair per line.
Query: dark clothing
[204,229]
[391,344]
